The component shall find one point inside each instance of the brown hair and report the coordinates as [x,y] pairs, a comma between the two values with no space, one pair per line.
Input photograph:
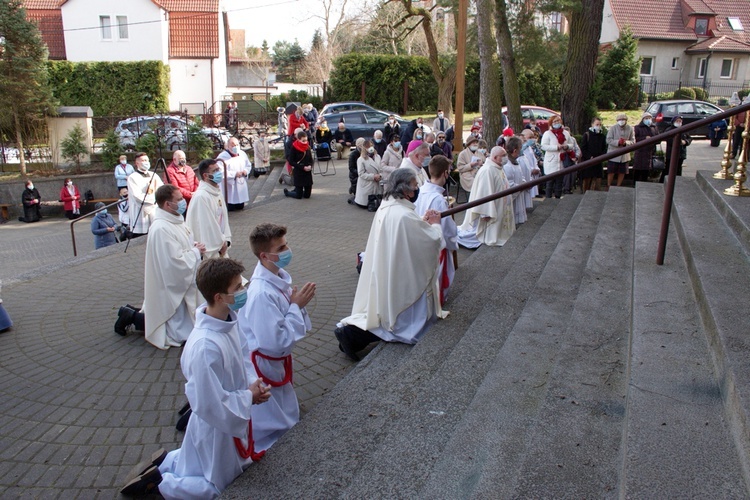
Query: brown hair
[138,155]
[164,194]
[262,235]
[439,165]
[215,275]
[552,120]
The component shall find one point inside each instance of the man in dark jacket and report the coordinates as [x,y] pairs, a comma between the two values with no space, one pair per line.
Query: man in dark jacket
[408,134]
[343,139]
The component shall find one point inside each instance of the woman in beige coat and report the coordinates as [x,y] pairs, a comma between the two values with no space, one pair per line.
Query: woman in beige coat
[469,161]
[368,182]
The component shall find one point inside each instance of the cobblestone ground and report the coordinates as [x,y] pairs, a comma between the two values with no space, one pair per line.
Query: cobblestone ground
[80,405]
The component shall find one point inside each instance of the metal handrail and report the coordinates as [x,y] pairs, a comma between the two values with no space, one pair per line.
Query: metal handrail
[673,134]
[84,216]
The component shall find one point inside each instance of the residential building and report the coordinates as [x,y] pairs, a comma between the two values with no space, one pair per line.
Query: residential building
[696,43]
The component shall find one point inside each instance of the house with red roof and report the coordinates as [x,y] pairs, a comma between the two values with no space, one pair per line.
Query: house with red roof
[187,35]
[696,43]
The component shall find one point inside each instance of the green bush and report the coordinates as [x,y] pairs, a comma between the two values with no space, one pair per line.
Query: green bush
[73,146]
[300,96]
[743,93]
[617,74]
[198,142]
[663,96]
[111,150]
[111,88]
[700,94]
[684,93]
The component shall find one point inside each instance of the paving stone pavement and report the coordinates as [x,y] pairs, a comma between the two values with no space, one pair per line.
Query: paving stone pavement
[81,405]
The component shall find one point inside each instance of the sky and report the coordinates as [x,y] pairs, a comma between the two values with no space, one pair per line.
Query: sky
[275,20]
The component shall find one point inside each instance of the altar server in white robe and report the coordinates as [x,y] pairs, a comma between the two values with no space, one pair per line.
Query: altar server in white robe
[514,173]
[239,168]
[397,297]
[529,162]
[491,223]
[273,321]
[432,197]
[416,161]
[142,184]
[218,443]
[207,215]
[170,296]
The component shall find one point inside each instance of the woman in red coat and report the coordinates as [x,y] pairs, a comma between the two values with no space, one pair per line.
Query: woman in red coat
[71,199]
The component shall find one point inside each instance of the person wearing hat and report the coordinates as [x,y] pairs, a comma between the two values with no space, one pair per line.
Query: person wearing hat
[685,141]
[103,227]
[619,136]
[642,157]
[469,161]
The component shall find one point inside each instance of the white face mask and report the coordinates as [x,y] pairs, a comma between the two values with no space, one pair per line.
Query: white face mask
[440,115]
[621,123]
[371,150]
[482,150]
[145,165]
[473,148]
[70,183]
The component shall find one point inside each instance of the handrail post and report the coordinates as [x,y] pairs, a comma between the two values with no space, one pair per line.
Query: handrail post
[84,216]
[668,197]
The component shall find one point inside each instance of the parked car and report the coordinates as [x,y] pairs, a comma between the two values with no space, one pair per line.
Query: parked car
[338,107]
[173,129]
[363,123]
[691,111]
[541,114]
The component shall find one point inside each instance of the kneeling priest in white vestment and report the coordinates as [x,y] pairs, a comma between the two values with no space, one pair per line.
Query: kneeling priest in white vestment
[397,297]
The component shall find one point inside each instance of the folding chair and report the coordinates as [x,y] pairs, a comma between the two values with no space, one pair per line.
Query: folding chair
[323,154]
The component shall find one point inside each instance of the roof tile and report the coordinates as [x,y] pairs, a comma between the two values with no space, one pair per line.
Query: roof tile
[719,44]
[193,35]
[50,26]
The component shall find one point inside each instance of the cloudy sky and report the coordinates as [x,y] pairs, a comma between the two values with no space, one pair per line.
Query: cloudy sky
[275,20]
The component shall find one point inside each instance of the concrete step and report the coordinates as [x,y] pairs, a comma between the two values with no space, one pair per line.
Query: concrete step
[674,406]
[719,270]
[734,210]
[271,183]
[349,426]
[487,446]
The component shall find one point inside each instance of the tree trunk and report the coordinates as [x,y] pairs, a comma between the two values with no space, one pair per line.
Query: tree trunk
[508,66]
[580,68]
[445,92]
[19,142]
[490,89]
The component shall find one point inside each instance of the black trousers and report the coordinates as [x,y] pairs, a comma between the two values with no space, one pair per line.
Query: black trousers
[554,185]
[357,339]
[300,192]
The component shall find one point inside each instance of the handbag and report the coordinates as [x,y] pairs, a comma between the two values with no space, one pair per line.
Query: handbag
[656,162]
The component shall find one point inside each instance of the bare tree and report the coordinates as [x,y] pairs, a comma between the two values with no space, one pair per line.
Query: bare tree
[580,70]
[443,72]
[508,65]
[490,89]
[319,63]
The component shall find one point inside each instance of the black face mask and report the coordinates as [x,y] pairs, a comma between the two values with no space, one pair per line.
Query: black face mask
[413,198]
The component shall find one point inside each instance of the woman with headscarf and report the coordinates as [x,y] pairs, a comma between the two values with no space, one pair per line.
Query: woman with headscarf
[103,227]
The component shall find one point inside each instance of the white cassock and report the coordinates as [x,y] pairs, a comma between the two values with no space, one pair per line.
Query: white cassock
[170,294]
[236,186]
[272,325]
[141,193]
[421,175]
[526,169]
[397,297]
[207,217]
[500,225]
[432,196]
[530,162]
[514,174]
[214,363]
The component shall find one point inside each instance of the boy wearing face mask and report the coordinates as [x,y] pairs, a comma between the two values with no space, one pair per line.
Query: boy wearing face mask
[272,322]
[142,185]
[441,123]
[208,217]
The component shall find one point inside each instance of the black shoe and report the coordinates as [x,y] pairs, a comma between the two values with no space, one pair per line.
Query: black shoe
[344,345]
[142,467]
[184,409]
[182,423]
[144,484]
[124,319]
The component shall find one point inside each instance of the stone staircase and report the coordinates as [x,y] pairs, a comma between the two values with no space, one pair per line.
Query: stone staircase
[570,366]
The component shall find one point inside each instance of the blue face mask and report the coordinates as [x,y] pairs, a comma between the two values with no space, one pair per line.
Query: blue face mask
[419,137]
[217,177]
[378,140]
[426,162]
[397,144]
[240,298]
[557,126]
[285,258]
[181,206]
[647,123]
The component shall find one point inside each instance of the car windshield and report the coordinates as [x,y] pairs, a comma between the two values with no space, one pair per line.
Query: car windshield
[685,108]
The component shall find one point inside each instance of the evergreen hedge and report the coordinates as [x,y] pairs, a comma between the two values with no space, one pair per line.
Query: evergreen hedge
[112,88]
[384,77]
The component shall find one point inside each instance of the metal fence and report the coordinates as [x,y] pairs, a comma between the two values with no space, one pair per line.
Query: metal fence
[656,89]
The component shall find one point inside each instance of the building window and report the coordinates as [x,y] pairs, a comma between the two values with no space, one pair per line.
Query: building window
[701,69]
[556,21]
[105,24]
[735,23]
[727,65]
[701,26]
[647,66]
[122,27]
[675,63]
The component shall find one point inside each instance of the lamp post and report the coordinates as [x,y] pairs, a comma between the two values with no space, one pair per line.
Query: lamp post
[726,162]
[739,172]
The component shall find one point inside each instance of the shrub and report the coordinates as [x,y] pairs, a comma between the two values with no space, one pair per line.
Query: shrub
[743,93]
[111,149]
[617,74]
[700,94]
[73,147]
[684,93]
[300,96]
[198,142]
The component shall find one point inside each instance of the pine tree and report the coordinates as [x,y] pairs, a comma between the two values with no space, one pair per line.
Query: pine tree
[25,95]
[73,147]
[617,75]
